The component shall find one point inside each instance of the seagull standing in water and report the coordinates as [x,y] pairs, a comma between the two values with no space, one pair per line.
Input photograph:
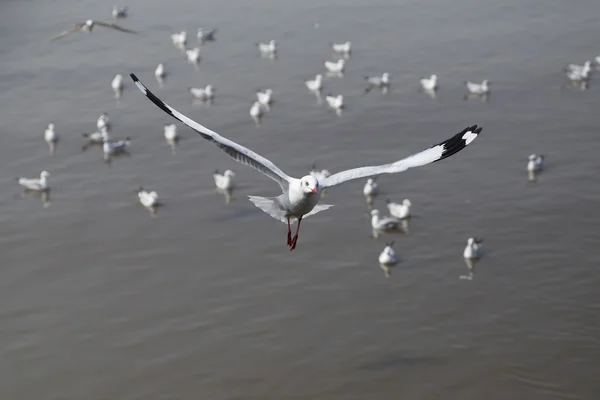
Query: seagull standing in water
[36,185]
[117,85]
[51,137]
[300,197]
[88,26]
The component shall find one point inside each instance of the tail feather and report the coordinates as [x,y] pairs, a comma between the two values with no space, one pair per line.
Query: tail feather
[271,206]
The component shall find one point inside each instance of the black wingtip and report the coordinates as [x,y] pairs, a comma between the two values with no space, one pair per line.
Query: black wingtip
[135,78]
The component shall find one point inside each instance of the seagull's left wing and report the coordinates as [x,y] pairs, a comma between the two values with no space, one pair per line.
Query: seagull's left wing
[435,153]
[114,26]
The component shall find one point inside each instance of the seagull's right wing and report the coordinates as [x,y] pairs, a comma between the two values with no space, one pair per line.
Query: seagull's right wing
[234,150]
[74,28]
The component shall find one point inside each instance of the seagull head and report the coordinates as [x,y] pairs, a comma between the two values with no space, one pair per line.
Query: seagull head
[44,174]
[406,202]
[309,184]
[229,173]
[89,23]
[433,77]
[51,126]
[471,241]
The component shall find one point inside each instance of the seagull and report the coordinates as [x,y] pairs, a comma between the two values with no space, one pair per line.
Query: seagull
[382,81]
[117,85]
[429,84]
[335,102]
[579,74]
[478,89]
[36,185]
[89,25]
[300,197]
[111,148]
[205,94]
[147,199]
[267,48]
[265,98]
[319,174]
[387,258]
[119,12]
[400,211]
[97,137]
[316,84]
[103,122]
[206,36]
[193,55]
[256,112]
[344,48]
[536,163]
[171,133]
[370,188]
[160,72]
[382,224]
[335,67]
[179,39]
[49,135]
[473,249]
[578,68]
[224,181]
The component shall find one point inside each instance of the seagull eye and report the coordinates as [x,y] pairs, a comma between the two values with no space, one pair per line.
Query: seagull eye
[305,183]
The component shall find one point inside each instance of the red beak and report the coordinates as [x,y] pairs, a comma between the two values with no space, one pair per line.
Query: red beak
[314,190]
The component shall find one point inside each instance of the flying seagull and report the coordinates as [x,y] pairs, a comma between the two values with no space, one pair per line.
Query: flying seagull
[300,197]
[89,25]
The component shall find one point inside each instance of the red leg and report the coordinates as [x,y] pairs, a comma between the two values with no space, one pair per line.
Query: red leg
[289,234]
[295,239]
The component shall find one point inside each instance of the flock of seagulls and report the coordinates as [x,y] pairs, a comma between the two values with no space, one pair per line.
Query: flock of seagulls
[299,197]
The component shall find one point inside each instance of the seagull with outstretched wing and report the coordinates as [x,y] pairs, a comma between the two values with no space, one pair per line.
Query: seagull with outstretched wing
[89,25]
[300,197]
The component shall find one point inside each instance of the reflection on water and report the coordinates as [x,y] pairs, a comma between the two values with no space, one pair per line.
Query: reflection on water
[227,193]
[470,262]
[482,97]
[44,195]
[52,146]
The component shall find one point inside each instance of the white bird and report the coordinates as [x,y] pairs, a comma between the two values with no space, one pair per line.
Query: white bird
[316,84]
[118,12]
[265,98]
[37,185]
[116,147]
[387,258]
[370,189]
[171,133]
[300,197]
[89,25]
[382,81]
[205,94]
[473,249]
[267,48]
[535,163]
[179,39]
[335,67]
[224,181]
[50,135]
[97,137]
[577,75]
[401,210]
[147,199]
[383,223]
[160,72]
[335,102]
[117,85]
[597,59]
[256,112]
[344,48]
[103,122]
[479,89]
[429,84]
[319,175]
[388,255]
[206,36]
[193,55]
[579,68]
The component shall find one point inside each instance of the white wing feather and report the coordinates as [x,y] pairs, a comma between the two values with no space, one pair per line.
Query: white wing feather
[435,153]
